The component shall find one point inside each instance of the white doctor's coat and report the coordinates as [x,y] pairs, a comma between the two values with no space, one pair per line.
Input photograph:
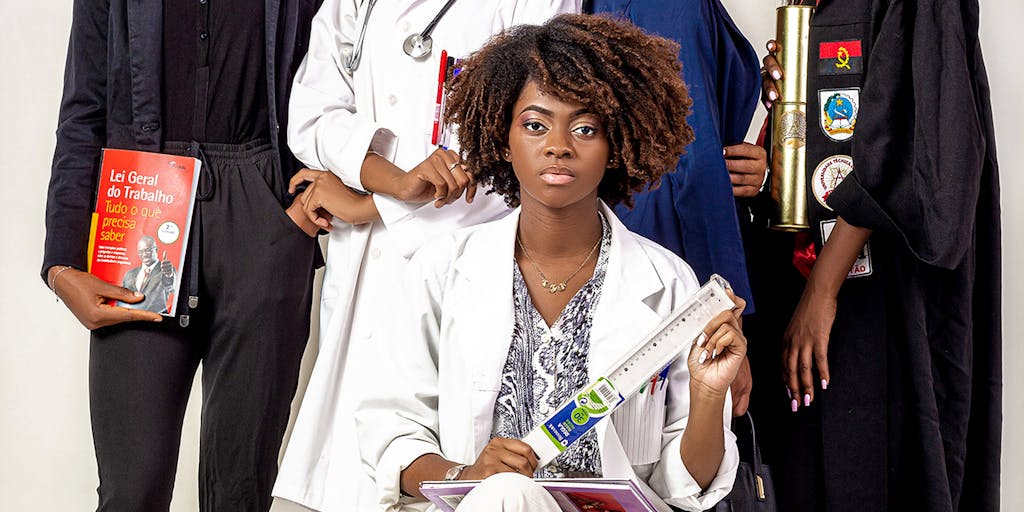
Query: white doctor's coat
[438,368]
[386,105]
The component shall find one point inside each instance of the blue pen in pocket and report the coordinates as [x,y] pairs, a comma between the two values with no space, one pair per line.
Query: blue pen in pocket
[664,374]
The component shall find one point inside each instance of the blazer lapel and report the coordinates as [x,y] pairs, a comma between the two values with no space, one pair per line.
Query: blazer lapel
[623,315]
[484,271]
[271,9]
[484,315]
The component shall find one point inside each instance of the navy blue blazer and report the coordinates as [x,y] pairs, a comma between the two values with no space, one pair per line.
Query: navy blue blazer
[112,99]
[693,213]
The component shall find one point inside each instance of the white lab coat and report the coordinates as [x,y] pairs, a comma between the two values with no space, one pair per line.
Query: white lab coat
[387,105]
[437,372]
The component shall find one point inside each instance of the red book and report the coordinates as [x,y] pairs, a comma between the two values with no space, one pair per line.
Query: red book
[141,225]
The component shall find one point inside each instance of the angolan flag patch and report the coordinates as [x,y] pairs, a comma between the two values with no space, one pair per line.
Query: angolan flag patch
[840,58]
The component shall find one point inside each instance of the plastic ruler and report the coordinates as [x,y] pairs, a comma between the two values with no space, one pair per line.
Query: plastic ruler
[601,397]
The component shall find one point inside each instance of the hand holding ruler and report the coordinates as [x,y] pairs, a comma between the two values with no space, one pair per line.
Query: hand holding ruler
[601,397]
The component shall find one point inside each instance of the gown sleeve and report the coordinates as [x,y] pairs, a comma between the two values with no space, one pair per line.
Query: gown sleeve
[919,147]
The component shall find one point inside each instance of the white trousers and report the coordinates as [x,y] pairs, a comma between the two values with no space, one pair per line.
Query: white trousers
[508,492]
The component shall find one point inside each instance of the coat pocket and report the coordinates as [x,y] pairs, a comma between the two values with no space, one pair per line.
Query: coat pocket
[482,413]
[639,423]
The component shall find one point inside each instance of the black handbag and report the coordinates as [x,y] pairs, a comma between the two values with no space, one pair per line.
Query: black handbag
[753,490]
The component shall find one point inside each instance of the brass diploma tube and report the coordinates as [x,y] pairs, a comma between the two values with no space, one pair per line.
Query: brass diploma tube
[789,121]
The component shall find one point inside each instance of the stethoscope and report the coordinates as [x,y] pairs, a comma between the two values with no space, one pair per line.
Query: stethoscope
[417,46]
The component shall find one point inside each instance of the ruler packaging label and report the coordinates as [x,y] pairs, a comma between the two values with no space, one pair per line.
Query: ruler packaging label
[600,398]
[577,416]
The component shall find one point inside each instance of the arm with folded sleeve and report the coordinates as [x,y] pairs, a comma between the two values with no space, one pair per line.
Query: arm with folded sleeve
[81,134]
[932,175]
[327,132]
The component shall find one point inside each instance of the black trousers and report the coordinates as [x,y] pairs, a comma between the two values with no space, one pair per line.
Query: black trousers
[248,331]
[790,442]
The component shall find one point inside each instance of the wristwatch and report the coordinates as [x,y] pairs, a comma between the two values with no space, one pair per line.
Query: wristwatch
[454,472]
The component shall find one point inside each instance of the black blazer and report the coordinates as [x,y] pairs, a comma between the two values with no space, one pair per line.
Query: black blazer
[112,99]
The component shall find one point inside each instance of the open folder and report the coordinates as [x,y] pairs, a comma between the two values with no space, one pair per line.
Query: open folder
[571,494]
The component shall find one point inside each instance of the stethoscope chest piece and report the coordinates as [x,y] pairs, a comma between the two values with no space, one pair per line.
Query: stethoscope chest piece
[418,46]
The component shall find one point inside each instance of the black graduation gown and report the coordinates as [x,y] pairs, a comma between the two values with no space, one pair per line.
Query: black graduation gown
[911,419]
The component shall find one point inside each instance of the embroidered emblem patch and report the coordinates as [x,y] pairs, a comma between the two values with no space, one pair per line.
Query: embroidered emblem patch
[862,266]
[838,115]
[840,58]
[828,175]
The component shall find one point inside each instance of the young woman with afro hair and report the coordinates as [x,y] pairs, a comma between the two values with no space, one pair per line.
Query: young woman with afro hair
[498,324]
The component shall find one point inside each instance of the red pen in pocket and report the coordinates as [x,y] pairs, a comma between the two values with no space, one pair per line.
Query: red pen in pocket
[440,94]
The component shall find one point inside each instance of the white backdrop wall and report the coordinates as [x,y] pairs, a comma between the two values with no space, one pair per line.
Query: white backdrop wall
[45,442]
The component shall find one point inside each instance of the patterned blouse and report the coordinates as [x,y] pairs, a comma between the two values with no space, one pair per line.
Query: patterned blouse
[545,366]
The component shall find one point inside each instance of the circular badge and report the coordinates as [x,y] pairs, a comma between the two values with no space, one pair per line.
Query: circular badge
[828,175]
[168,232]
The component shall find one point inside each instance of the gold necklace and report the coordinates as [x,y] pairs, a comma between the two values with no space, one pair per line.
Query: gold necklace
[548,285]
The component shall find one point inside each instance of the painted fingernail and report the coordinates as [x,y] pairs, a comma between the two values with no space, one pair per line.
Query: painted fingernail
[767,104]
[137,294]
[714,353]
[776,74]
[771,46]
[789,393]
[772,95]
[702,339]
[703,357]
[793,404]
[723,151]
[824,384]
[807,400]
